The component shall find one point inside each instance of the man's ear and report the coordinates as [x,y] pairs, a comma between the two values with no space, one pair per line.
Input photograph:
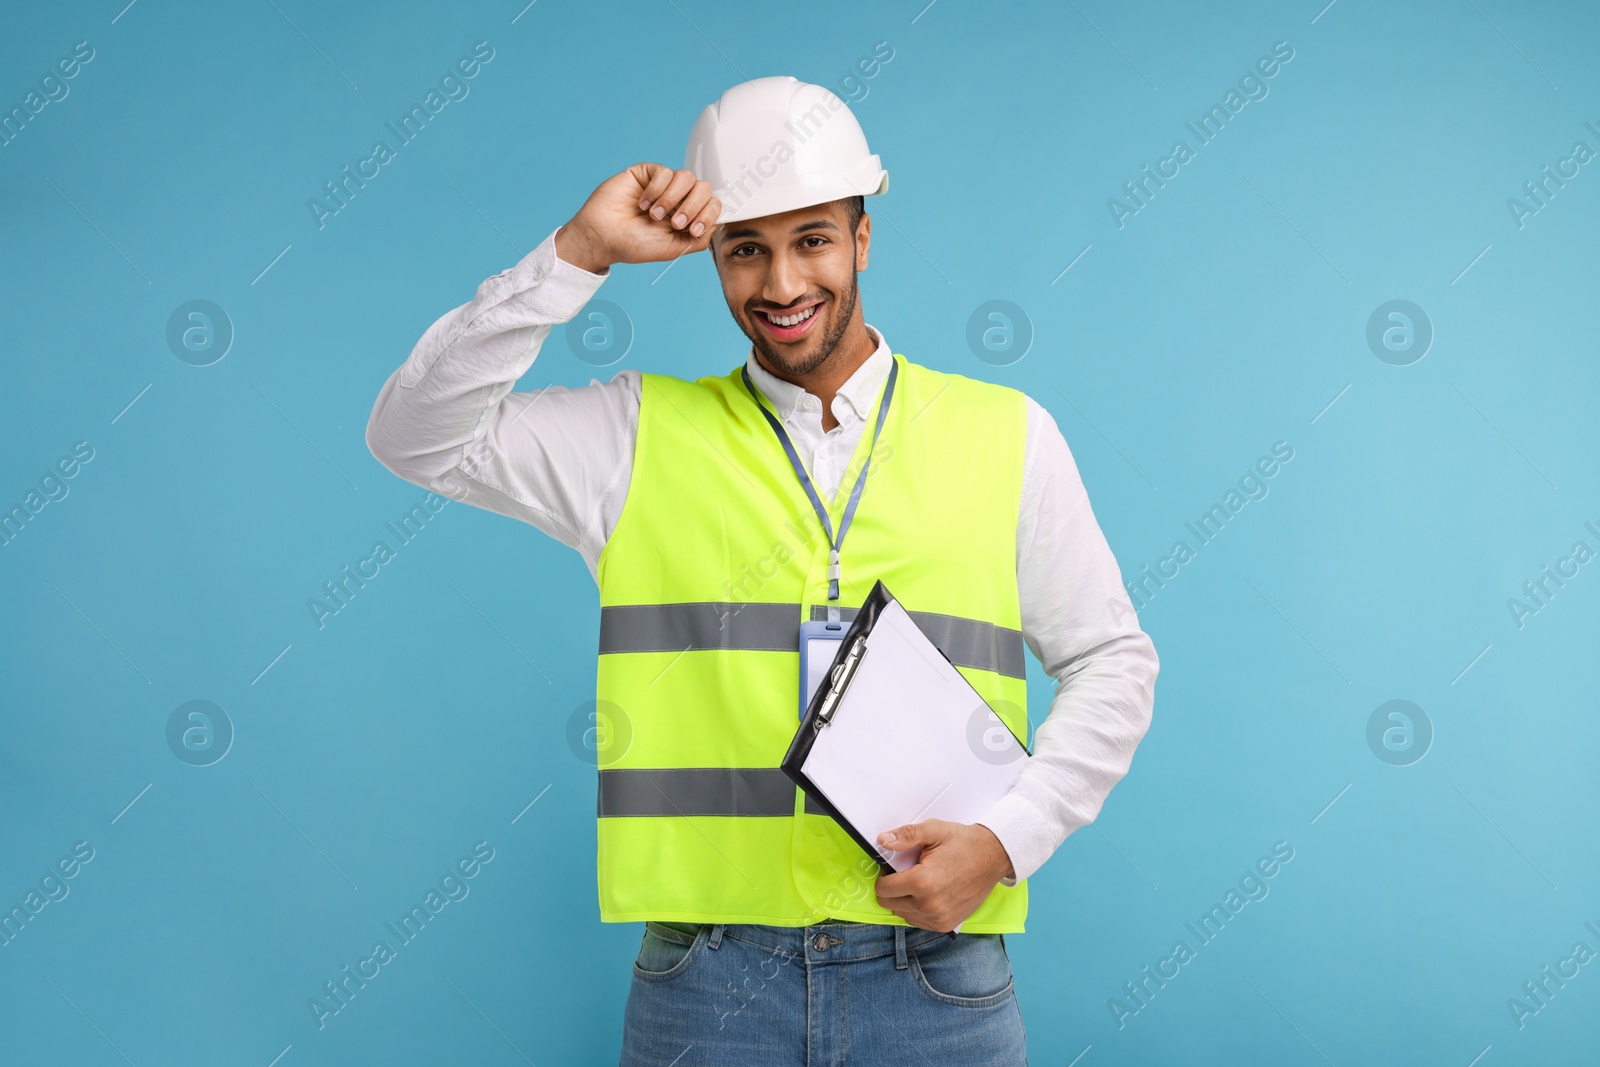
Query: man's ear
[863,240]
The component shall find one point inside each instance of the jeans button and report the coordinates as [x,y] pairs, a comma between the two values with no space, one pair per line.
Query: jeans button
[822,941]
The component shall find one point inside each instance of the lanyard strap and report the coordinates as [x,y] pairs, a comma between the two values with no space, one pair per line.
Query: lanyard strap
[816,502]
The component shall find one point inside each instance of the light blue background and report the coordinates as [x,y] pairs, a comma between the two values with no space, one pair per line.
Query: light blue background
[1228,314]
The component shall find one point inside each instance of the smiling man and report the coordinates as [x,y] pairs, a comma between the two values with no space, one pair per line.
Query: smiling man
[717,516]
[836,235]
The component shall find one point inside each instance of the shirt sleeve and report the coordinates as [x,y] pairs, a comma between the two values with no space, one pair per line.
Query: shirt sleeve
[556,458]
[1079,622]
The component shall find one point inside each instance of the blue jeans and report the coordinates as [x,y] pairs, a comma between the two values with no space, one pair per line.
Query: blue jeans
[863,994]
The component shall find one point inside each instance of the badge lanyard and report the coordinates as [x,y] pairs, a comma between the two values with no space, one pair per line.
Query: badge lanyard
[834,545]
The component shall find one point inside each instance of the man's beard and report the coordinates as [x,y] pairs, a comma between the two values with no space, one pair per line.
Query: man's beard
[770,352]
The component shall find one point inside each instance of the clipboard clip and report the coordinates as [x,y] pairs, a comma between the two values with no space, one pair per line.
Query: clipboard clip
[840,681]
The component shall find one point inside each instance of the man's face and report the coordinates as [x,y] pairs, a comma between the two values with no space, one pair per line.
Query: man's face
[801,262]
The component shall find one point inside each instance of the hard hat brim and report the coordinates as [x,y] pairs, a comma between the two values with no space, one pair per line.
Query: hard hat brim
[808,192]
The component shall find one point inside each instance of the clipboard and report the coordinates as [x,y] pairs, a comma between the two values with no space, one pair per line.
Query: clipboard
[892,720]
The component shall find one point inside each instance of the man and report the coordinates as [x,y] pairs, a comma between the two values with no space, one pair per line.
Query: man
[717,516]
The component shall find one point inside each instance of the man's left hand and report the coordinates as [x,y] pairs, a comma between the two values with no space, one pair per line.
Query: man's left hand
[959,866]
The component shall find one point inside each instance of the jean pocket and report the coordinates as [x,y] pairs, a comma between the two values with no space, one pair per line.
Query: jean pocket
[667,949]
[970,970]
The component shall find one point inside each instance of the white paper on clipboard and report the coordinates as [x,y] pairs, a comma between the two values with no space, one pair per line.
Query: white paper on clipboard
[910,739]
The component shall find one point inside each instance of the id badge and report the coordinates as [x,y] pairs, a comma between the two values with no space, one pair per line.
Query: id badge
[819,641]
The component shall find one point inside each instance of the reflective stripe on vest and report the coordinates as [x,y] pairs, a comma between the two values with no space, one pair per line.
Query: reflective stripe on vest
[771,627]
[640,791]
[715,560]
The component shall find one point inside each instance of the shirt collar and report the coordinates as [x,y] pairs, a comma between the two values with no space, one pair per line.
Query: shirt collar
[860,391]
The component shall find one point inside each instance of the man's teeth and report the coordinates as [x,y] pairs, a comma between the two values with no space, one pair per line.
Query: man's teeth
[792,320]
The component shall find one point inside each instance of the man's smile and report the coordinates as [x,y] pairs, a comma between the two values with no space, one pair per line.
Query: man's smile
[792,323]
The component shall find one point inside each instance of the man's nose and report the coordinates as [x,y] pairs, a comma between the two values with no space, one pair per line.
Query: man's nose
[784,283]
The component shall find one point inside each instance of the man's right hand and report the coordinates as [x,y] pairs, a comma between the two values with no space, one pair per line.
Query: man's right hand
[646,214]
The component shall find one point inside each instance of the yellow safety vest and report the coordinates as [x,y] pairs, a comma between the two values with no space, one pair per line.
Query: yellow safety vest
[716,559]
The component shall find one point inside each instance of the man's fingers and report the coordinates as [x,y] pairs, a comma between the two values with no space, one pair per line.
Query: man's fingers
[680,202]
[665,205]
[901,884]
[706,221]
[689,207]
[660,177]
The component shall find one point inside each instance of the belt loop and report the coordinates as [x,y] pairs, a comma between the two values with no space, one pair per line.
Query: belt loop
[900,948]
[716,934]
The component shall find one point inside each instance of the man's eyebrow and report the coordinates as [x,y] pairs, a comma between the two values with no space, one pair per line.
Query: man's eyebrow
[814,224]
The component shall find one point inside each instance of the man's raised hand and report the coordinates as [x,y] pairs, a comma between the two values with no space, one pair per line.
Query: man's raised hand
[648,213]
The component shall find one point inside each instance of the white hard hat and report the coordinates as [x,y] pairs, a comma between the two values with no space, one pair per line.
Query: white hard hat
[775,144]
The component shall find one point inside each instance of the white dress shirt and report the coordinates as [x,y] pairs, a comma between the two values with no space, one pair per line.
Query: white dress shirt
[560,459]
